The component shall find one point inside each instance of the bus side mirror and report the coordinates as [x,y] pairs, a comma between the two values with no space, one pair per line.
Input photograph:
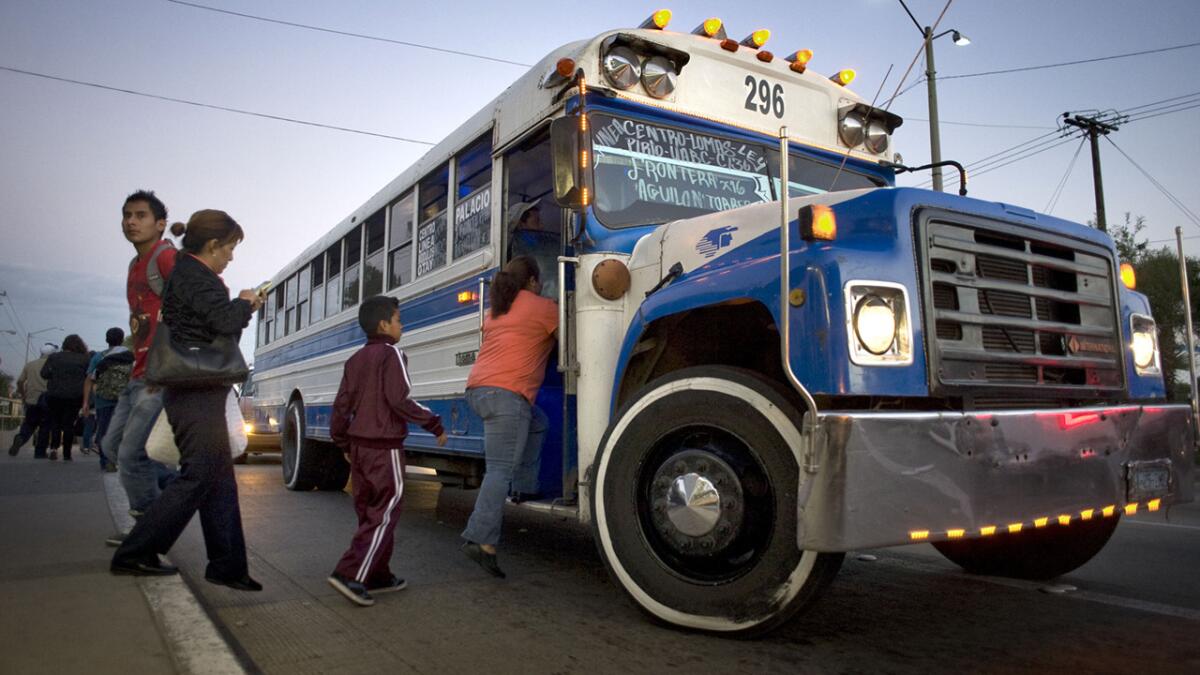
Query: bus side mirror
[572,182]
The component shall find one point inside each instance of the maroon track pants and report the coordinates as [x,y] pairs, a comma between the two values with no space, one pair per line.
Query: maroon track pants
[378,477]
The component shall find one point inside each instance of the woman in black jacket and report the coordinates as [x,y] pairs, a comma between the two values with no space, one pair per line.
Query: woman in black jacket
[197,308]
[64,373]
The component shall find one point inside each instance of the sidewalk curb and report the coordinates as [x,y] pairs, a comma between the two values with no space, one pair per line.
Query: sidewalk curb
[196,644]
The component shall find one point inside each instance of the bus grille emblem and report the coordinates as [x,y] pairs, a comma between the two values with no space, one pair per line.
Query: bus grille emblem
[715,240]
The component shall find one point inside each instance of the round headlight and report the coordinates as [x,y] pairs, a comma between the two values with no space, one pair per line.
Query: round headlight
[875,324]
[658,76]
[852,130]
[1143,349]
[877,137]
[622,67]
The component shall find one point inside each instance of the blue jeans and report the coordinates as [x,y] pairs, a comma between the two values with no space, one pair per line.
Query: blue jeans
[137,409]
[104,415]
[513,431]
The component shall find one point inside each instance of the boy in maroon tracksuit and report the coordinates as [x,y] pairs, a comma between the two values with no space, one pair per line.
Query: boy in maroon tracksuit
[370,421]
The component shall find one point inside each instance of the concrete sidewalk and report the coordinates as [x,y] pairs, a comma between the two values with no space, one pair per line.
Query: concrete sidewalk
[60,608]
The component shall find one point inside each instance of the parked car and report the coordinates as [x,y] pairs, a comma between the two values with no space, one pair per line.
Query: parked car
[258,433]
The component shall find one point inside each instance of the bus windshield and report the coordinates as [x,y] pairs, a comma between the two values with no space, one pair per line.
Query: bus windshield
[651,173]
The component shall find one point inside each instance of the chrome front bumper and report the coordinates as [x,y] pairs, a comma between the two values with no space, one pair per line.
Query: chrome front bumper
[883,479]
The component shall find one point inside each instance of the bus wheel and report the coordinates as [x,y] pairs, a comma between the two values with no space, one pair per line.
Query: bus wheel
[1042,553]
[336,471]
[303,458]
[694,504]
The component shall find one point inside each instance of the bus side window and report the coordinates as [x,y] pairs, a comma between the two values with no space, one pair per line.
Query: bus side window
[531,220]
[400,238]
[473,198]
[433,196]
[351,273]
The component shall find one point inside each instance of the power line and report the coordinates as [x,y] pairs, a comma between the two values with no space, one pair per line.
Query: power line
[1161,188]
[214,107]
[1049,208]
[360,36]
[981,124]
[1067,63]
[1195,104]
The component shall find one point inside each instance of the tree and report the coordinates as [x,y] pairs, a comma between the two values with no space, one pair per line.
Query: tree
[6,384]
[1158,278]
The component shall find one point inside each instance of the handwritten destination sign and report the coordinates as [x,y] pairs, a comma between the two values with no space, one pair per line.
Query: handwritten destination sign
[431,245]
[652,140]
[473,222]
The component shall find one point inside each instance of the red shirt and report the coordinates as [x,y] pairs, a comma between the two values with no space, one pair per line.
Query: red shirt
[516,346]
[144,304]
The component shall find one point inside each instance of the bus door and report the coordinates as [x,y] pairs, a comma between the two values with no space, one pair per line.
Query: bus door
[533,226]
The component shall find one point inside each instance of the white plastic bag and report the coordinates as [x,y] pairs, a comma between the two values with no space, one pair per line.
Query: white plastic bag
[160,445]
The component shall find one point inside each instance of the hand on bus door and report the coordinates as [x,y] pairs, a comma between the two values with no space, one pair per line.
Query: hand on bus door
[441,440]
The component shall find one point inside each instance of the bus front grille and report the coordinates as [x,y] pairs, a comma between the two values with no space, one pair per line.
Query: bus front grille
[1013,311]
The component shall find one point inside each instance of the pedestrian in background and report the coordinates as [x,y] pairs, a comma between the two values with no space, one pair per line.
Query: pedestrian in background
[518,335]
[31,387]
[144,221]
[65,372]
[371,413]
[197,309]
[108,373]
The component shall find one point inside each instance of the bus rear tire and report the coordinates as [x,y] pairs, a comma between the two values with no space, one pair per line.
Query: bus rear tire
[726,563]
[303,459]
[1038,554]
[336,471]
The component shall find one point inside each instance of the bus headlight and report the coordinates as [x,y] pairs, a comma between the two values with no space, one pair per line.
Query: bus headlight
[877,137]
[1143,343]
[877,323]
[622,67]
[852,130]
[658,77]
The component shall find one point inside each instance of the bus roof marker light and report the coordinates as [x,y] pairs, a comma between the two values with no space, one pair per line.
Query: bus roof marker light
[918,535]
[565,67]
[1015,527]
[987,530]
[657,20]
[1108,510]
[729,45]
[1153,504]
[955,534]
[1041,522]
[1064,520]
[757,39]
[711,27]
[844,76]
[765,56]
[798,62]
[1131,508]
[1086,514]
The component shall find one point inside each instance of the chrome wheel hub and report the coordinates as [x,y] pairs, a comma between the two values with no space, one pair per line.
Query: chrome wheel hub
[696,502]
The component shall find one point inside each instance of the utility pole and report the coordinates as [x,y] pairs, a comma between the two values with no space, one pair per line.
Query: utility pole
[935,139]
[1095,129]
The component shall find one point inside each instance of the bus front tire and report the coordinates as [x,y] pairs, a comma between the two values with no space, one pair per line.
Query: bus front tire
[1037,554]
[304,460]
[694,504]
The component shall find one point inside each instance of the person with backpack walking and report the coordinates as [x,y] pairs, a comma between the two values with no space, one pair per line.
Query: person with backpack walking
[64,373]
[32,390]
[143,221]
[107,375]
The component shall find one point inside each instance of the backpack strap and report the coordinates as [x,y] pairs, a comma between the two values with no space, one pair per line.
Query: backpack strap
[154,275]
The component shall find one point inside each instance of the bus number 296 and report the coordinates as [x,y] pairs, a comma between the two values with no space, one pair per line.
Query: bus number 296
[764,98]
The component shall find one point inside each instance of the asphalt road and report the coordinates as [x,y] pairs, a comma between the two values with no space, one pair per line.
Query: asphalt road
[1135,608]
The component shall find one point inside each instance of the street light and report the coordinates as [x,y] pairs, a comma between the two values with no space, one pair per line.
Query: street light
[935,139]
[28,336]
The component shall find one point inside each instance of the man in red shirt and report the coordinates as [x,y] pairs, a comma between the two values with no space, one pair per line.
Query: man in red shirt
[143,221]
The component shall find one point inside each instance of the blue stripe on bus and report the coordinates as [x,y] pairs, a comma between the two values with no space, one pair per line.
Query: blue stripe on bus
[426,310]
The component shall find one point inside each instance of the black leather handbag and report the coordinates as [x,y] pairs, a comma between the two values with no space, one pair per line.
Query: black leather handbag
[217,363]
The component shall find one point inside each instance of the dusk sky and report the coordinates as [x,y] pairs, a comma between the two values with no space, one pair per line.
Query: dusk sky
[70,153]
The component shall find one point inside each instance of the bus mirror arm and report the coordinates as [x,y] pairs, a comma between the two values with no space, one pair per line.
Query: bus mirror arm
[672,274]
[962,173]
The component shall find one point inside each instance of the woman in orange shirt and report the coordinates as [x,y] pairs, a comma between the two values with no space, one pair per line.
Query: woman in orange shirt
[518,336]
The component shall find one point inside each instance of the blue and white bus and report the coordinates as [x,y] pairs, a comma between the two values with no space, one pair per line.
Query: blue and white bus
[749,381]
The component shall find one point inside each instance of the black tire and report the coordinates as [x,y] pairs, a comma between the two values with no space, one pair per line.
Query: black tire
[336,471]
[1038,554]
[304,461]
[733,569]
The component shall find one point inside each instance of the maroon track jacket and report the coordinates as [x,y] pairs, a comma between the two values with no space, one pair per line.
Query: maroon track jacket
[373,407]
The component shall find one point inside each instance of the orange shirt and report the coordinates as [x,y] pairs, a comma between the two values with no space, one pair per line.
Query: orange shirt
[516,346]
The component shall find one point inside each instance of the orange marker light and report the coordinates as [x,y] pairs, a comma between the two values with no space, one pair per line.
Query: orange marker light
[844,76]
[918,535]
[1131,508]
[1014,528]
[565,67]
[1041,522]
[987,530]
[1064,520]
[1128,276]
[757,39]
[1086,514]
[465,297]
[765,56]
[955,534]
[583,122]
[817,222]
[1108,510]
[658,20]
[583,159]
[711,28]
[729,45]
[1153,504]
[798,62]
